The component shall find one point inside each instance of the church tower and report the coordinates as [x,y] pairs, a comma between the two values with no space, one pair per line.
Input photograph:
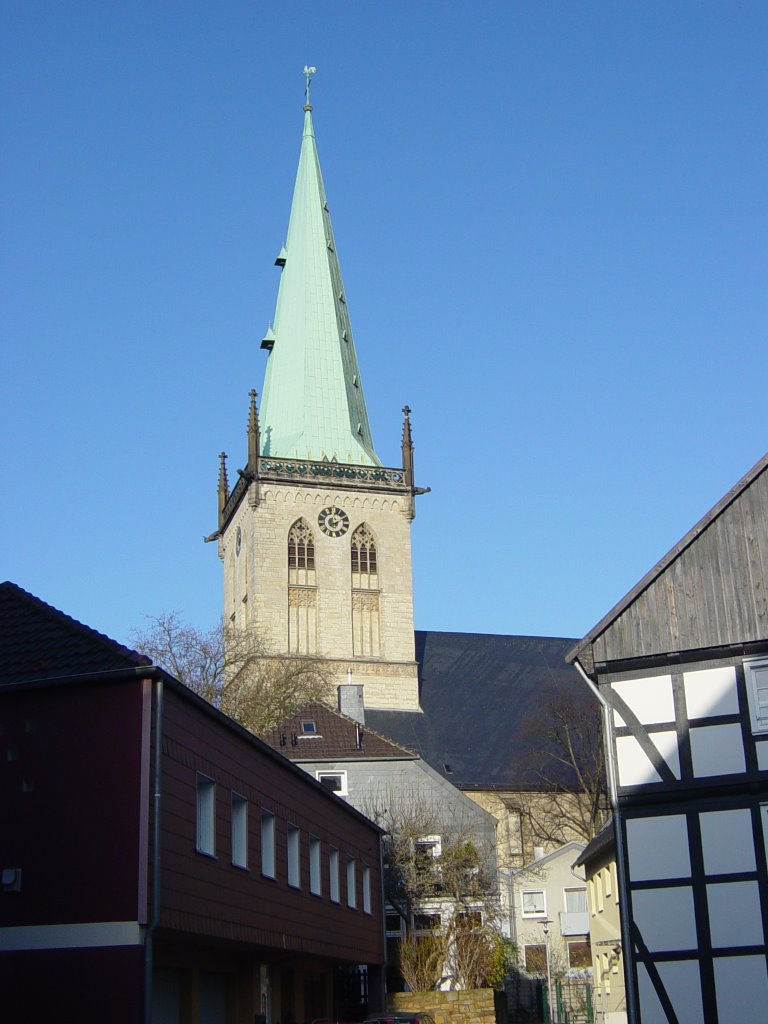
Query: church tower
[315,532]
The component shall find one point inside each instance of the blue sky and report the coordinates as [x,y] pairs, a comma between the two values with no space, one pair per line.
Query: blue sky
[551,220]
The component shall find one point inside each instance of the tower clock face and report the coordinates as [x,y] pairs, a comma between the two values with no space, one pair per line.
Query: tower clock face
[333,521]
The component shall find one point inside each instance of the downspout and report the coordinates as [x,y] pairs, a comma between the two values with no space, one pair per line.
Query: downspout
[383,973]
[618,838]
[148,950]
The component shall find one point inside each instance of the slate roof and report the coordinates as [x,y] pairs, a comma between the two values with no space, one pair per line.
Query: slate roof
[477,693]
[335,739]
[38,641]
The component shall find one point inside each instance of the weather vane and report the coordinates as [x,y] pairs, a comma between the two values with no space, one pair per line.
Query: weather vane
[308,72]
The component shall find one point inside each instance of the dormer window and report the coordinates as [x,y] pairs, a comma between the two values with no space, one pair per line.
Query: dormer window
[309,728]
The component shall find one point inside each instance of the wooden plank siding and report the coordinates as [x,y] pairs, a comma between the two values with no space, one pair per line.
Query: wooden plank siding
[709,592]
[209,896]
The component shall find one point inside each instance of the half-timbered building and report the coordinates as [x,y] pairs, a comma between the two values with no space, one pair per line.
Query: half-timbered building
[681,668]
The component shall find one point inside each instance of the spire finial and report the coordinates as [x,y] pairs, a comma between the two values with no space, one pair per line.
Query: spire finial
[308,73]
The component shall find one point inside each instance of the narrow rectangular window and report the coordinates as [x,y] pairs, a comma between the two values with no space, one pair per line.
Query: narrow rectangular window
[315,883]
[352,883]
[756,675]
[239,831]
[206,815]
[294,877]
[367,890]
[268,844]
[333,874]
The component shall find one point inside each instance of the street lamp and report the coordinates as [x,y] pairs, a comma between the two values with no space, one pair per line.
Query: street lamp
[546,924]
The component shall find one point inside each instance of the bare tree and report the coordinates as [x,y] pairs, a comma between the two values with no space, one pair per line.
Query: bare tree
[232,669]
[440,877]
[566,795]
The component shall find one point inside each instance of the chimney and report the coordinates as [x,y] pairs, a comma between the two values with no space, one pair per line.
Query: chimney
[351,701]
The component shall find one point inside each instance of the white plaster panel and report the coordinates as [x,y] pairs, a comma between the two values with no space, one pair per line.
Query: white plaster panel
[650,698]
[717,750]
[741,983]
[665,918]
[734,914]
[635,769]
[682,985]
[711,691]
[727,841]
[658,848]
[762,756]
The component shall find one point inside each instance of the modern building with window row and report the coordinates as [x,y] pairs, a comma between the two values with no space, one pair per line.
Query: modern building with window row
[158,859]
[680,666]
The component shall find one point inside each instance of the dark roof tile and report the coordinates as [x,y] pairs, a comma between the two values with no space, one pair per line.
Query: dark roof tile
[335,739]
[40,642]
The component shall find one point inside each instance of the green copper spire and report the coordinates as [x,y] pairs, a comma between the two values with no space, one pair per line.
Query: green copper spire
[312,404]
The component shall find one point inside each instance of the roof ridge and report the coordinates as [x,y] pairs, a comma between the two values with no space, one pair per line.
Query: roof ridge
[72,624]
[501,636]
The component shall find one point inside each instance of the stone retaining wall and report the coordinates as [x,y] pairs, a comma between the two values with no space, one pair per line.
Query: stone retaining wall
[472,1006]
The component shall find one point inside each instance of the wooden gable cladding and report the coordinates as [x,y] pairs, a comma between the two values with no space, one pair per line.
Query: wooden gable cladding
[709,591]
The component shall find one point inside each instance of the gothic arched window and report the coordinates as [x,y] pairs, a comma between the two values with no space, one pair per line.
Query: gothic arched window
[302,590]
[301,554]
[366,626]
[365,572]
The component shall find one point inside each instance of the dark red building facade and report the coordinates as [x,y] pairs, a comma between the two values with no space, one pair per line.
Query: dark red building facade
[158,861]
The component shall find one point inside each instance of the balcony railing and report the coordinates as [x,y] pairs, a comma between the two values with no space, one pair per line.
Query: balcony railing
[574,923]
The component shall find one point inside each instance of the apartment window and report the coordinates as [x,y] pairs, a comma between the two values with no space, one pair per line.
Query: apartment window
[366,890]
[575,901]
[239,831]
[335,781]
[206,813]
[333,874]
[579,956]
[534,903]
[268,844]
[425,923]
[756,674]
[352,883]
[315,883]
[535,959]
[294,877]
[395,925]
[427,849]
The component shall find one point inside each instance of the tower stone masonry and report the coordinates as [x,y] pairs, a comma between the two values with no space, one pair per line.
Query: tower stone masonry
[315,533]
